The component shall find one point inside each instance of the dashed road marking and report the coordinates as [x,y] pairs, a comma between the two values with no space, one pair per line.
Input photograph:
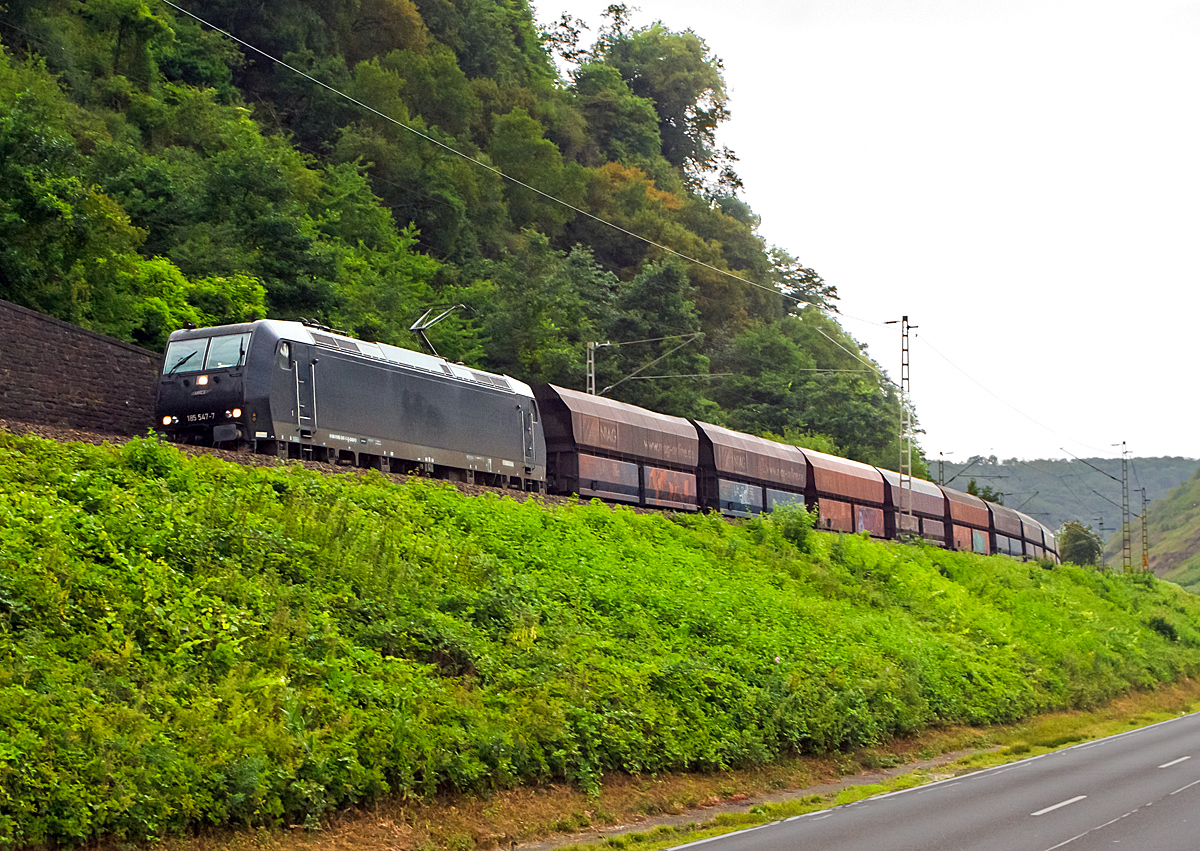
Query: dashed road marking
[1058,805]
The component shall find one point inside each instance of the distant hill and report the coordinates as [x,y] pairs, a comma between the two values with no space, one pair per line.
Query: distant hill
[1054,491]
[1173,529]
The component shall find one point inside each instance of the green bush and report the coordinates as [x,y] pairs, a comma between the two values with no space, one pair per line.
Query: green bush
[185,642]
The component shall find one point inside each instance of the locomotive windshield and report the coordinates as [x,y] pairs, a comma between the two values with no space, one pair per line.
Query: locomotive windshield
[206,353]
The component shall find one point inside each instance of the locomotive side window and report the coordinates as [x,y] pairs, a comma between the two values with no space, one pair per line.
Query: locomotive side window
[229,350]
[185,356]
[285,355]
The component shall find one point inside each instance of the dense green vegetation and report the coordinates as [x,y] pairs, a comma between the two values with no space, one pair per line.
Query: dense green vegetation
[186,642]
[156,173]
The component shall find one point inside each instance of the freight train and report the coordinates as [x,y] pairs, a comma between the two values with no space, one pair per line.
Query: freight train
[296,390]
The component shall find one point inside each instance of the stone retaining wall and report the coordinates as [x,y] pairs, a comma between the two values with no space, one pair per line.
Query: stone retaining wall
[56,373]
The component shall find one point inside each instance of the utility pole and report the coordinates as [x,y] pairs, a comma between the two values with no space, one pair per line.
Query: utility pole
[942,468]
[1100,524]
[591,366]
[906,426]
[1145,537]
[1126,532]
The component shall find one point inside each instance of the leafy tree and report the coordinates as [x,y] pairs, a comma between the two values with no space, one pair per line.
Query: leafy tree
[382,26]
[676,72]
[545,307]
[797,281]
[629,198]
[1078,544]
[435,88]
[986,493]
[563,38]
[519,148]
[767,370]
[132,27]
[498,40]
[622,126]
[200,58]
[657,331]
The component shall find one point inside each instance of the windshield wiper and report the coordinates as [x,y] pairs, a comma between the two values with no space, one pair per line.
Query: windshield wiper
[181,362]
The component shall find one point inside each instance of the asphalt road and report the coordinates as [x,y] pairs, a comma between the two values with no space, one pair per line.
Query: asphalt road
[1139,789]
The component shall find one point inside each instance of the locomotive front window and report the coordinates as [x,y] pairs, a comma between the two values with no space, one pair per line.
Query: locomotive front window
[229,350]
[185,356]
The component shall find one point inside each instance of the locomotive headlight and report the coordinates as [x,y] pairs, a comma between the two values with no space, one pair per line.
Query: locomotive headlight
[237,413]
[202,380]
[167,420]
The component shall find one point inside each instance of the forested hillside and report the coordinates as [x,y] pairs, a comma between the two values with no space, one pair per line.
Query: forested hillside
[156,173]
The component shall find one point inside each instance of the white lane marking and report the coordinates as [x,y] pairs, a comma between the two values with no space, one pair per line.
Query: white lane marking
[1058,805]
[719,836]
[1189,786]
[1175,762]
[1093,830]
[1013,766]
[1068,842]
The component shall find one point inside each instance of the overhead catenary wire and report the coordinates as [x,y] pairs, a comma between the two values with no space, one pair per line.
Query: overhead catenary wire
[776,290]
[858,356]
[1000,398]
[665,354]
[1093,466]
[682,375]
[772,289]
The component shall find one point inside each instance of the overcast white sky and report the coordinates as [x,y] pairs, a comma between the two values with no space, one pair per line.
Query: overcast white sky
[1022,179]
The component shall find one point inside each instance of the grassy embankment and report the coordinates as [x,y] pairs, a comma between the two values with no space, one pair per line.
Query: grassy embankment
[185,642]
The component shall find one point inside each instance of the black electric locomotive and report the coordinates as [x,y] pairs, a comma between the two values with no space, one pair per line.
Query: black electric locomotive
[289,389]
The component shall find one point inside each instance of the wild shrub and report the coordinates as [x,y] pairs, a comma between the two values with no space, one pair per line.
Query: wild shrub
[795,523]
[185,642]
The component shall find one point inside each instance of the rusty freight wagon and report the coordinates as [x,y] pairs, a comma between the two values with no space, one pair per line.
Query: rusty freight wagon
[598,447]
[848,495]
[1007,536]
[926,516]
[742,475]
[968,522]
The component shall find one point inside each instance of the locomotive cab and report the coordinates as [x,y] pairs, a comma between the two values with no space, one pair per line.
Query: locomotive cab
[201,395]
